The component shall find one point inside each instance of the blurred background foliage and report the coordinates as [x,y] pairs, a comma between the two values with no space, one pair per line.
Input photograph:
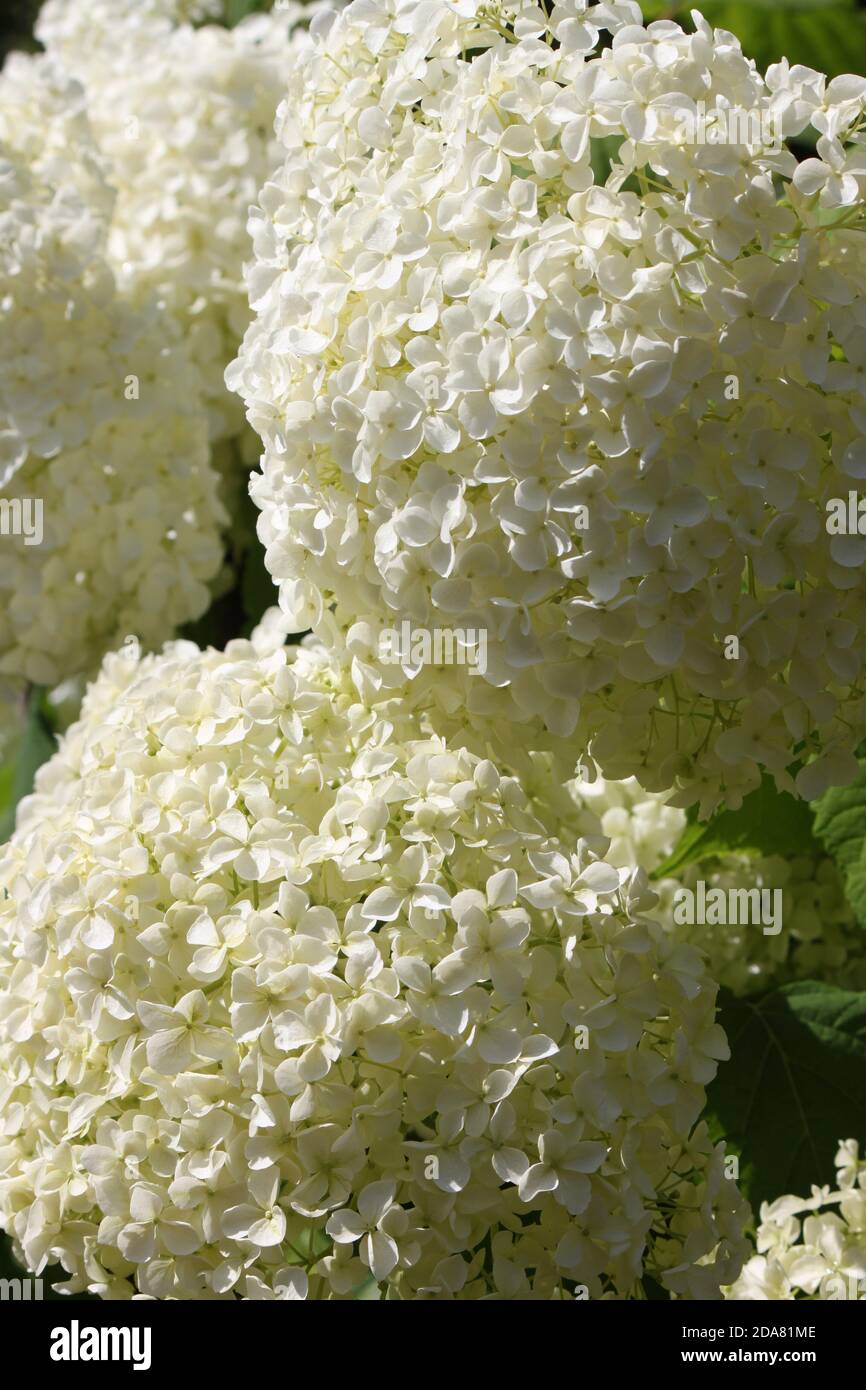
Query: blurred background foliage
[826,34]
[16,24]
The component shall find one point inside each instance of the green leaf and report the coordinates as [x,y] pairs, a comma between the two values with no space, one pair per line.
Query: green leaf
[840,825]
[795,1084]
[840,820]
[746,1173]
[768,822]
[34,747]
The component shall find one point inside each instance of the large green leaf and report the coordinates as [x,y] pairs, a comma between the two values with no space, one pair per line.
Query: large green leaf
[768,822]
[795,1084]
[840,825]
[840,820]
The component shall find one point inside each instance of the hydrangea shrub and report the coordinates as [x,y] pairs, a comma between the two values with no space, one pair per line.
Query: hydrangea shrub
[325,974]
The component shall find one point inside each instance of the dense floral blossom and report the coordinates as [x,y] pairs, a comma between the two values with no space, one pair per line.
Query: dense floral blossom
[43,117]
[110,514]
[812,1248]
[819,939]
[600,420]
[295,994]
[63,21]
[184,118]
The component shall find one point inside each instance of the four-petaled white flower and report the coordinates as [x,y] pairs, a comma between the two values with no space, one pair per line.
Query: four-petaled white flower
[377,1224]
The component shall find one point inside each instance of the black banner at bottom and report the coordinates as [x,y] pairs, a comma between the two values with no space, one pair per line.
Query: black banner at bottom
[218,1338]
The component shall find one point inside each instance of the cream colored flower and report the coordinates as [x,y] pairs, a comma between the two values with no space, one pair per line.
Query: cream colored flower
[282,1005]
[600,422]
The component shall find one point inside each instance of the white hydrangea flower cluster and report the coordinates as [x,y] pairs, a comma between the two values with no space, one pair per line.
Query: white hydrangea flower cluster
[45,146]
[61,21]
[295,995]
[812,1248]
[184,118]
[103,441]
[598,421]
[641,826]
[820,938]
[43,117]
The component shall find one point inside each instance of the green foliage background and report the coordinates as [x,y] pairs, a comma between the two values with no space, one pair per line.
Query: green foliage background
[826,34]
[796,1082]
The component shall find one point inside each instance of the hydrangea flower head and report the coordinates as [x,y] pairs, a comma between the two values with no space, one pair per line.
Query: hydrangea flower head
[183,117]
[598,417]
[294,995]
[111,518]
[812,1248]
